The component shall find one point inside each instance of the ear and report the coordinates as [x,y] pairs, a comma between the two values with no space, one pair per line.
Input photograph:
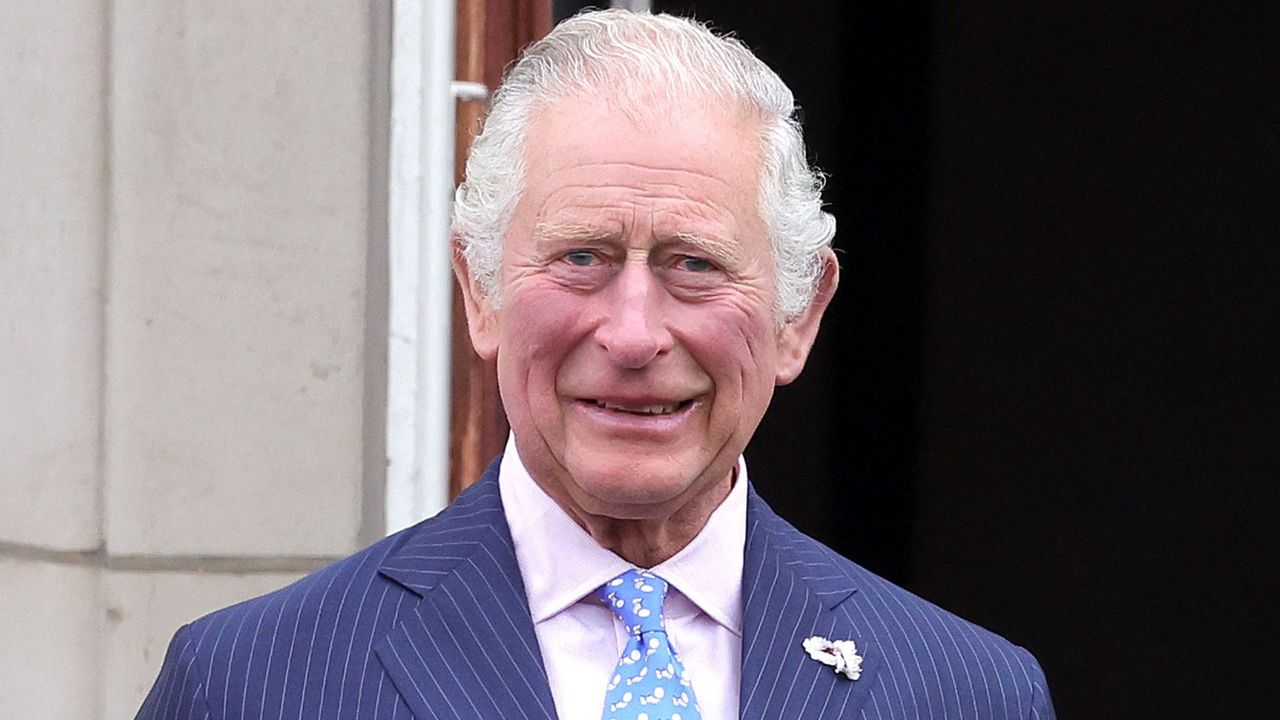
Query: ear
[795,339]
[482,320]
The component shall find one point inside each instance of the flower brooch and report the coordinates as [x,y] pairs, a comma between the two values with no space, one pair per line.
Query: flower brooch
[841,655]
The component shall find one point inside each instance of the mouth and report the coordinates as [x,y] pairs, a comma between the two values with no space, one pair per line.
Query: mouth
[642,409]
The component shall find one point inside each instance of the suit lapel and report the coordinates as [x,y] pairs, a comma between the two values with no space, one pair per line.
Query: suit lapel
[793,590]
[468,650]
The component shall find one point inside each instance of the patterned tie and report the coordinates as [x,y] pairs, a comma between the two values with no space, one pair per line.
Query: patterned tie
[649,683]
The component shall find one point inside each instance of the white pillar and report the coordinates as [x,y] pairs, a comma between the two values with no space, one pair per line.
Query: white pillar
[421,190]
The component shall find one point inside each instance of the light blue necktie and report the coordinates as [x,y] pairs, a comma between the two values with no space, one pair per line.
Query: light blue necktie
[649,683]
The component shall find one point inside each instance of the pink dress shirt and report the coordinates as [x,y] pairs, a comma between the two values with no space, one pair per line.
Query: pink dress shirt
[581,639]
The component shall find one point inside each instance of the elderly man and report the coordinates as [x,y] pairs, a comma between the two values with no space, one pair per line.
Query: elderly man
[643,253]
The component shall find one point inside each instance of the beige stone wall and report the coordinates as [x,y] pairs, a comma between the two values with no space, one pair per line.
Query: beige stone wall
[190,290]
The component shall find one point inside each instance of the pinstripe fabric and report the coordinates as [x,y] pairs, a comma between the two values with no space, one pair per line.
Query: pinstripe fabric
[432,623]
[413,628]
[920,662]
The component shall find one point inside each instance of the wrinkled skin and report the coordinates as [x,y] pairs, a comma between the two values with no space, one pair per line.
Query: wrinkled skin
[636,341]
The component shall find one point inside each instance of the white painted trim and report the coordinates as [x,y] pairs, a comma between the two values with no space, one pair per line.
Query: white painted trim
[420,316]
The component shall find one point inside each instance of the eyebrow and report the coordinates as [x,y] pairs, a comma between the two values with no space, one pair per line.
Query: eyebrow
[545,232]
[717,247]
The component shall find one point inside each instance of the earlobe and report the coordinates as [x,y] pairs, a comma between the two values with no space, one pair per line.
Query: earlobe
[483,327]
[797,336]
[482,320]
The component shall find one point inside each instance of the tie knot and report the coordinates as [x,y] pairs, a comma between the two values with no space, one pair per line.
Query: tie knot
[636,596]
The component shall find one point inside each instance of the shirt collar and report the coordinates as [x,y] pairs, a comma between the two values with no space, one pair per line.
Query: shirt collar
[561,563]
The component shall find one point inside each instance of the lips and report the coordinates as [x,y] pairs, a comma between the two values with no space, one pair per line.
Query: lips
[641,409]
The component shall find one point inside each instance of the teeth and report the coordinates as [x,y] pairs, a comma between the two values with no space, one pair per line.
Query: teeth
[643,410]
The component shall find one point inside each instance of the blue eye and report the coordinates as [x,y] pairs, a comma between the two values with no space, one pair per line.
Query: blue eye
[695,264]
[580,258]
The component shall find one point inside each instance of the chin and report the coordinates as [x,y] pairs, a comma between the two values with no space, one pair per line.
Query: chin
[633,494]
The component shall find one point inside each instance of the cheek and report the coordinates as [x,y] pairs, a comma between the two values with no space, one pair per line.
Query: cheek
[738,351]
[540,328]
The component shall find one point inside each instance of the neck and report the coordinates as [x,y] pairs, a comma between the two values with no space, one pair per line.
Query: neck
[646,542]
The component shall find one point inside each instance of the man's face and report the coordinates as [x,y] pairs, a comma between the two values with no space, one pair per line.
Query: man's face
[636,342]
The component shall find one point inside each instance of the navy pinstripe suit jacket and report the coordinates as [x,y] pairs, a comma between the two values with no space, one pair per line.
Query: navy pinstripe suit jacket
[432,623]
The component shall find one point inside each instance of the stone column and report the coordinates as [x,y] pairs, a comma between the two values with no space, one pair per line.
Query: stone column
[52,241]
[191,323]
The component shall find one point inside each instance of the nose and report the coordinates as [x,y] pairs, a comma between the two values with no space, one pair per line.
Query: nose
[633,331]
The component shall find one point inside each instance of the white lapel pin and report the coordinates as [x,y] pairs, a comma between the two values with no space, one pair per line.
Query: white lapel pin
[841,655]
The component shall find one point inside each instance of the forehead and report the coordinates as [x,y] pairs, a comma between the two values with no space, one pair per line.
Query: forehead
[582,152]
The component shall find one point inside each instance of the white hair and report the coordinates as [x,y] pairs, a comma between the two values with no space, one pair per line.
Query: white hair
[640,56]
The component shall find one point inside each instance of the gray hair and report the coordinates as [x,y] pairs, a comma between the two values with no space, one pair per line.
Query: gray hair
[677,59]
